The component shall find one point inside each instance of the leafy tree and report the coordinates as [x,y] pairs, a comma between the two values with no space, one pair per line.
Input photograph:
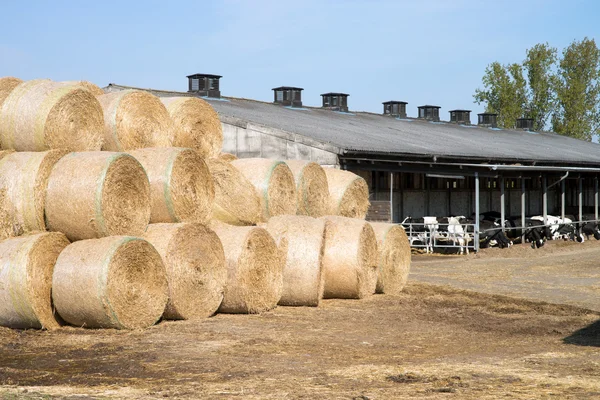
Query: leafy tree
[539,64]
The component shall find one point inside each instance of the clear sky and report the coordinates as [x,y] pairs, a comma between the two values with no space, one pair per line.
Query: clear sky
[422,52]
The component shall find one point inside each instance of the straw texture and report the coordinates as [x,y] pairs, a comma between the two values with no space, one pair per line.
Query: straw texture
[26,265]
[236,201]
[226,157]
[254,269]
[7,84]
[115,282]
[134,119]
[348,193]
[195,265]
[394,257]
[39,115]
[312,190]
[197,125]
[23,180]
[181,187]
[91,87]
[303,238]
[349,258]
[97,194]
[274,184]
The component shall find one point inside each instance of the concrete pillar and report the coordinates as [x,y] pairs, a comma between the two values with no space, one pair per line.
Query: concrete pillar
[580,197]
[523,209]
[476,211]
[562,199]
[391,197]
[596,198]
[502,203]
[545,198]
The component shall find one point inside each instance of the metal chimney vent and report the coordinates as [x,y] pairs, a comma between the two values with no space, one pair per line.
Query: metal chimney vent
[487,120]
[460,116]
[395,108]
[288,96]
[204,85]
[431,113]
[336,101]
[525,124]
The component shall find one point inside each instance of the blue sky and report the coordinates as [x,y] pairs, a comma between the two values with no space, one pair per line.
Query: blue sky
[422,52]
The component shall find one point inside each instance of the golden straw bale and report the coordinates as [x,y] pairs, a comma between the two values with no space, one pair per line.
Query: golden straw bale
[394,257]
[181,187]
[311,188]
[304,241]
[349,259]
[226,157]
[114,282]
[348,193]
[135,119]
[195,264]
[274,183]
[91,87]
[198,125]
[39,115]
[236,200]
[7,84]
[97,194]
[26,265]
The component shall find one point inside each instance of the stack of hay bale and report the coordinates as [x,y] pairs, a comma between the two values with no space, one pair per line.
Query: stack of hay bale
[118,209]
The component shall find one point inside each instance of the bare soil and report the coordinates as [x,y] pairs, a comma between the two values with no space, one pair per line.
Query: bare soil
[433,341]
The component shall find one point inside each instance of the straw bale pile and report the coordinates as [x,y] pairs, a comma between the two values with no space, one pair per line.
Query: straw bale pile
[26,266]
[97,194]
[254,269]
[348,193]
[349,259]
[226,157]
[135,119]
[274,183]
[198,125]
[115,282]
[181,187]
[40,115]
[312,189]
[7,84]
[236,201]
[303,238]
[394,257]
[91,87]
[23,180]
[195,265]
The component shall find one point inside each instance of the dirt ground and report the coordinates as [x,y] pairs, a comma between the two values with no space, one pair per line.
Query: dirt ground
[434,341]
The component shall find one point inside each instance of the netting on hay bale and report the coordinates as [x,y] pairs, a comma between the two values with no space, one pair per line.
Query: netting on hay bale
[348,193]
[311,188]
[7,84]
[394,257]
[91,87]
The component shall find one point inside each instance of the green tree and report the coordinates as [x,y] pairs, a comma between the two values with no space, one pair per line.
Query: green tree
[504,92]
[539,64]
[578,91]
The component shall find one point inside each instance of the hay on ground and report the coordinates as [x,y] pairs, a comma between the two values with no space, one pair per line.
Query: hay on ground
[394,257]
[134,119]
[312,189]
[254,269]
[348,194]
[303,238]
[236,201]
[7,84]
[227,157]
[195,265]
[24,178]
[197,125]
[274,183]
[97,194]
[91,87]
[39,115]
[26,265]
[181,187]
[115,282]
[349,258]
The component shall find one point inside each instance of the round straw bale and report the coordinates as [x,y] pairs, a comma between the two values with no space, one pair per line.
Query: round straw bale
[92,87]
[302,277]
[348,193]
[110,195]
[7,84]
[197,125]
[349,258]
[236,201]
[40,115]
[134,119]
[254,269]
[181,188]
[227,157]
[394,257]
[26,265]
[24,178]
[311,188]
[274,183]
[114,282]
[195,264]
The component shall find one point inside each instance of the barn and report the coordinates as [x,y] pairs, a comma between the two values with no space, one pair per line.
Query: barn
[415,166]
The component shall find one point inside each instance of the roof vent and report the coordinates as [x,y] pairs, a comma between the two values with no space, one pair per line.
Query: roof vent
[431,113]
[395,108]
[460,116]
[204,85]
[487,120]
[335,101]
[525,123]
[288,96]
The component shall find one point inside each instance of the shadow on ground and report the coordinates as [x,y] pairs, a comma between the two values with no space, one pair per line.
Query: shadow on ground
[588,336]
